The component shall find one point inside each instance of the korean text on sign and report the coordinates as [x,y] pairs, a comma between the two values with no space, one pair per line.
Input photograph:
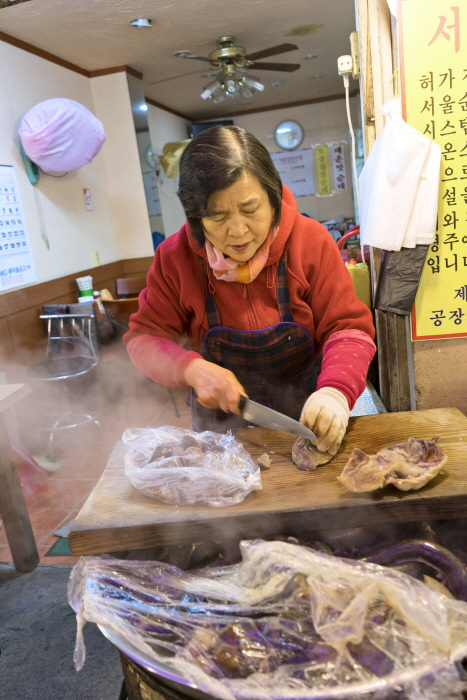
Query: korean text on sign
[322,169]
[296,171]
[433,39]
[338,166]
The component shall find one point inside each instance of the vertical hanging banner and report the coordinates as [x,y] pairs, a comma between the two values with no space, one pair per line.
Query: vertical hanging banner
[16,262]
[433,45]
[151,190]
[322,170]
[296,171]
[338,166]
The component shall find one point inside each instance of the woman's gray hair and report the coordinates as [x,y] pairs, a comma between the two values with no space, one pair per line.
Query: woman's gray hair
[215,160]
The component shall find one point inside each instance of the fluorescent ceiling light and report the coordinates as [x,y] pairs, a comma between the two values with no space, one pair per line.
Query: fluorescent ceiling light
[144,108]
[141,23]
[253,83]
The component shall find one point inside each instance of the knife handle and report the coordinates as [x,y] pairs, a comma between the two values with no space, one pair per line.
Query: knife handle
[241,403]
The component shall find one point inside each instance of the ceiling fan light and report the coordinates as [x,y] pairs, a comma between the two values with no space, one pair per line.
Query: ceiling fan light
[210,89]
[231,86]
[220,97]
[253,83]
[245,91]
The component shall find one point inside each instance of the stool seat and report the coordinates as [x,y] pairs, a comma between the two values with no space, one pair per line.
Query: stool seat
[58,421]
[70,355]
[63,368]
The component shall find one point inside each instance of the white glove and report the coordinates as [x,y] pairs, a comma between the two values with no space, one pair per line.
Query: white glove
[326,413]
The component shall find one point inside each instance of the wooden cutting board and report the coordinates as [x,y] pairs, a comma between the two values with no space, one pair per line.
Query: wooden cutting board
[117,516]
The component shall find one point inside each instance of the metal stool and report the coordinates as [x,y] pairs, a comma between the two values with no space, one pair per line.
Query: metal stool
[70,354]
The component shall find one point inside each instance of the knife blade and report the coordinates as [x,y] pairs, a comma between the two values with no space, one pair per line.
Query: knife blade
[267,418]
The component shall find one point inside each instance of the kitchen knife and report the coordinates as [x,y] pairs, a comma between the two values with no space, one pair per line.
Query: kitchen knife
[261,415]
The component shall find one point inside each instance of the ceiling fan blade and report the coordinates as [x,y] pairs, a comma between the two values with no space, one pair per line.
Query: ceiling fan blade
[272,51]
[197,58]
[285,67]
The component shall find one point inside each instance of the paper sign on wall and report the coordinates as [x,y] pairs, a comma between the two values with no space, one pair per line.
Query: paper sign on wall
[322,169]
[88,200]
[338,166]
[296,171]
[16,262]
[151,189]
[434,96]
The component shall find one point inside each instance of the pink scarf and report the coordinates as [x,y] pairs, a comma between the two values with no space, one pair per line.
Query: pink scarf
[230,270]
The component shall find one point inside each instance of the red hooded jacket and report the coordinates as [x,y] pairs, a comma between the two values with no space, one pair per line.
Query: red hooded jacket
[321,292]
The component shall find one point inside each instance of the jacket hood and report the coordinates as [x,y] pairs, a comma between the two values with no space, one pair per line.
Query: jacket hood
[288,215]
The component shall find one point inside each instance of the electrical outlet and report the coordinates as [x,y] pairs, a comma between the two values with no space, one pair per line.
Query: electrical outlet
[344,65]
[355,51]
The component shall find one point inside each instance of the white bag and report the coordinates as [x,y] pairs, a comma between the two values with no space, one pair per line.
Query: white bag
[399,186]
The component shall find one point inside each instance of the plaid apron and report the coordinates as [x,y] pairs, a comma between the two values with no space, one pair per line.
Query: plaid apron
[276,365]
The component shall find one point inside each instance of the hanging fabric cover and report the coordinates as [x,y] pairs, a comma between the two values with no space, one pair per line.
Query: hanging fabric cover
[170,158]
[399,186]
[61,134]
[399,199]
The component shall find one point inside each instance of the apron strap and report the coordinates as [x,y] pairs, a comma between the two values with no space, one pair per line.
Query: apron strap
[214,319]
[283,297]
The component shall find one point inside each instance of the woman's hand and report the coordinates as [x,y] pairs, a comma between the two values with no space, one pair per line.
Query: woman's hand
[215,386]
[326,413]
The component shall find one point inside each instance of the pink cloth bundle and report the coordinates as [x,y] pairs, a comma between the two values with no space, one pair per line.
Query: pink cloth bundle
[61,134]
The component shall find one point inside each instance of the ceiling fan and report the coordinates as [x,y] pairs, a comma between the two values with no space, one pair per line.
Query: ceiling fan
[234,63]
[229,58]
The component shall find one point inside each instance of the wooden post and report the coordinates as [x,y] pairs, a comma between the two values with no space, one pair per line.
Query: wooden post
[378,58]
[12,504]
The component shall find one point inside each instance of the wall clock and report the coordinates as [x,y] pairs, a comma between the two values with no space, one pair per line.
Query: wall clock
[288,135]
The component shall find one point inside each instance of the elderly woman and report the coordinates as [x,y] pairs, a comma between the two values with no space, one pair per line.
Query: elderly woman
[260,294]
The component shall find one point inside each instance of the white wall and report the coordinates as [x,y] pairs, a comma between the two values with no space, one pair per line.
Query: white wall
[122,166]
[73,232]
[323,122]
[119,225]
[165,127]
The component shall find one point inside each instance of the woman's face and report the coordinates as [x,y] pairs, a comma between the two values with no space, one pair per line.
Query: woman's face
[240,220]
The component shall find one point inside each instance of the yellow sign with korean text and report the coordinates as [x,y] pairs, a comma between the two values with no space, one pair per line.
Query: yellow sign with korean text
[322,171]
[433,50]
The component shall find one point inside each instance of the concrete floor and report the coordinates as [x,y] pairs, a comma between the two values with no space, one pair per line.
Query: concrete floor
[37,637]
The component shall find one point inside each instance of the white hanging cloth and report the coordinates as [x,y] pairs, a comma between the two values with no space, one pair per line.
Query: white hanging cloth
[393,7]
[399,186]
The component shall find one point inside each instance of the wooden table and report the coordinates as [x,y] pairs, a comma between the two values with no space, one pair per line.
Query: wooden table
[117,516]
[12,504]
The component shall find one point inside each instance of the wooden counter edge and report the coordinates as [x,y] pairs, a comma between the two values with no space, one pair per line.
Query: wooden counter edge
[258,525]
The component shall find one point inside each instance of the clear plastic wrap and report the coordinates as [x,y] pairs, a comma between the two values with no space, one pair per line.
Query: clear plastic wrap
[287,622]
[181,467]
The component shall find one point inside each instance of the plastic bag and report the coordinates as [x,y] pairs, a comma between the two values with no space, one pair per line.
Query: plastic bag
[287,622]
[398,280]
[181,467]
